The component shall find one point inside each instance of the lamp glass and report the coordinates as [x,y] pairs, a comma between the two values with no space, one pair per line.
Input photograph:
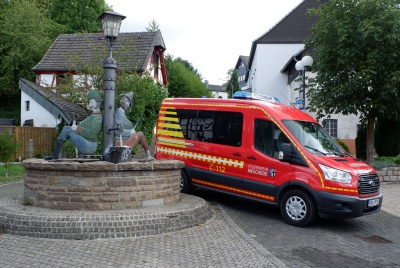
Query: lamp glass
[111,24]
[299,66]
[307,61]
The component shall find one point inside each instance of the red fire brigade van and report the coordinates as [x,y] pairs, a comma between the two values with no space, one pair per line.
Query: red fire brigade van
[267,151]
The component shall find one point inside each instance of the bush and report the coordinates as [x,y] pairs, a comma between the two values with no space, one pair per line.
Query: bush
[385,161]
[8,148]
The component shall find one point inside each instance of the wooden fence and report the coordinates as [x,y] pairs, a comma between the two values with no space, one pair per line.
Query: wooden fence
[34,141]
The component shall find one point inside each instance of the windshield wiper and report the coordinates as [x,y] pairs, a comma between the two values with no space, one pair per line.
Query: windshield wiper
[315,150]
[340,154]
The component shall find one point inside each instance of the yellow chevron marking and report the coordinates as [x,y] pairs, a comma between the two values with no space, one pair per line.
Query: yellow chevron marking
[178,134]
[170,112]
[173,119]
[168,125]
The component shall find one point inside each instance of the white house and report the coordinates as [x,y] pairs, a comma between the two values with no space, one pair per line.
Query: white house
[141,52]
[271,68]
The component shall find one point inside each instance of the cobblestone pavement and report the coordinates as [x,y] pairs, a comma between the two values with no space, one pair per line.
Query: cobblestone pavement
[217,243]
[391,198]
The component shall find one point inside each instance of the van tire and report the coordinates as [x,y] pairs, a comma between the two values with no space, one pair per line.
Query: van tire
[185,183]
[298,208]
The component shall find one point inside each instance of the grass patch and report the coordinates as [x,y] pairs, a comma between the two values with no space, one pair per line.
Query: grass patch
[15,172]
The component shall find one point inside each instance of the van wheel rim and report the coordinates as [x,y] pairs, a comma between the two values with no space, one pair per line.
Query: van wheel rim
[182,182]
[296,208]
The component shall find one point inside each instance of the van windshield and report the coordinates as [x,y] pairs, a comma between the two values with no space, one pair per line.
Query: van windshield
[314,138]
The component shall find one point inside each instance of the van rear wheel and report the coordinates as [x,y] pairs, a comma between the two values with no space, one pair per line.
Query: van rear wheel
[298,208]
[185,184]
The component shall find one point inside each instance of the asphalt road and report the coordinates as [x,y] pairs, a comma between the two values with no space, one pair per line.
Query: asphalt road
[369,241]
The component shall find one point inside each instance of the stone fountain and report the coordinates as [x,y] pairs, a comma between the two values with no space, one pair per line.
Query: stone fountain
[111,197]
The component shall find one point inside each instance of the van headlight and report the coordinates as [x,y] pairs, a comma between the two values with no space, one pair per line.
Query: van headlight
[333,174]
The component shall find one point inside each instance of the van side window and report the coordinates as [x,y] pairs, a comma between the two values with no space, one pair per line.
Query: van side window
[268,138]
[218,127]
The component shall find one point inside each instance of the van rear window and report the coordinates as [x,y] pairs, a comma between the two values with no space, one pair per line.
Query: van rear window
[218,127]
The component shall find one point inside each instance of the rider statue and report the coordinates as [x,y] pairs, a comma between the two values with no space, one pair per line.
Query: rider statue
[85,135]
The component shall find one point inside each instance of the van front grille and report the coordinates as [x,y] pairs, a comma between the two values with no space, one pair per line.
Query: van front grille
[368,183]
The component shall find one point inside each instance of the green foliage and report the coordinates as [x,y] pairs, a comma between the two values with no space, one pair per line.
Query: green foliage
[385,161]
[344,145]
[147,98]
[356,54]
[8,148]
[153,26]
[361,142]
[26,35]
[15,172]
[10,107]
[387,138]
[232,85]
[78,16]
[183,79]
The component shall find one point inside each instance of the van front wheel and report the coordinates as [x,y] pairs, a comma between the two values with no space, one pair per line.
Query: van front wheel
[298,208]
[185,187]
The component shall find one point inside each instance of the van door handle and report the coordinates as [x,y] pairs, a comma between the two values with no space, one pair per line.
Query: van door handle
[251,157]
[237,154]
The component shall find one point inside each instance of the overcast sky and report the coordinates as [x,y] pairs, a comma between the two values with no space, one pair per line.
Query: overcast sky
[211,34]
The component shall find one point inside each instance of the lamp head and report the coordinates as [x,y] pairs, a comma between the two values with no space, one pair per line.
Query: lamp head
[111,23]
[307,61]
[299,66]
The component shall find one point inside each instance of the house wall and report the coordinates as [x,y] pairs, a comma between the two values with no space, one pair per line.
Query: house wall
[41,117]
[46,80]
[219,94]
[265,75]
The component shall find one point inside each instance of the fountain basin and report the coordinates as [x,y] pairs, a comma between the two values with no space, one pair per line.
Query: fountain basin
[89,184]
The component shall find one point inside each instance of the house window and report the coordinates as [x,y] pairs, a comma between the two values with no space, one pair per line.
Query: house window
[27,106]
[331,126]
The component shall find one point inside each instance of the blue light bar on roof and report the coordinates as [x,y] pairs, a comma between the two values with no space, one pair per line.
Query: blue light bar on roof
[253,96]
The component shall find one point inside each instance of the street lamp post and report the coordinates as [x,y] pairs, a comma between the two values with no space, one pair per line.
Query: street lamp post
[111,26]
[229,83]
[301,66]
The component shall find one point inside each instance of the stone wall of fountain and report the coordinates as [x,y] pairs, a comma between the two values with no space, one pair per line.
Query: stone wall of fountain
[77,184]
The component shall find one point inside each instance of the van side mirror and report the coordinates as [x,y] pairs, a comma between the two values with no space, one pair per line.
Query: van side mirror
[289,154]
[286,152]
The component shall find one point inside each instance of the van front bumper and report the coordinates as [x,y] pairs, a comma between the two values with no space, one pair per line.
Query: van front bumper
[344,206]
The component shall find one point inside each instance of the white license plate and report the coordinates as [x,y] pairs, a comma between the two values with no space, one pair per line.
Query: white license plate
[373,202]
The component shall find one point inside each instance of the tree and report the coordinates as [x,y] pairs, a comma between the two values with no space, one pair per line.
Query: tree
[153,26]
[26,35]
[8,148]
[232,85]
[78,16]
[357,61]
[183,79]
